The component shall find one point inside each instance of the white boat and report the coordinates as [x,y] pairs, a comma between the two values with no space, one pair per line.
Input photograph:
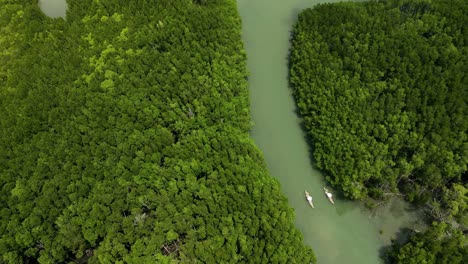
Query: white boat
[309,199]
[329,195]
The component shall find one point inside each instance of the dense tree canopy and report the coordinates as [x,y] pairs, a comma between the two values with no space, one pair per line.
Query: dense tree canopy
[440,244]
[124,139]
[382,87]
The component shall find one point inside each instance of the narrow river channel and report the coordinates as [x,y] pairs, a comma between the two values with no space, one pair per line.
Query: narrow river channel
[344,233]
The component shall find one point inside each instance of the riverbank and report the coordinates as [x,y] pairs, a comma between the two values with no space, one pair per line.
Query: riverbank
[346,232]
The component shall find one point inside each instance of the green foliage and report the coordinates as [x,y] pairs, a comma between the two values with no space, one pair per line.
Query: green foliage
[124,138]
[439,244]
[382,89]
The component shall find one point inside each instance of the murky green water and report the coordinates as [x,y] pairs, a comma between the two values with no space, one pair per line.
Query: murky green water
[53,8]
[344,233]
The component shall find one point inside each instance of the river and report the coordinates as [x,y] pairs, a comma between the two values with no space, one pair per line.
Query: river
[343,233]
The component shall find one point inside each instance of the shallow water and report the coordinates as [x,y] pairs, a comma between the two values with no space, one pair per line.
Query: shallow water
[53,8]
[343,233]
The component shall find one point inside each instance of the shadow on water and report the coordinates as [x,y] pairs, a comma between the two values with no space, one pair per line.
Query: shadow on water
[401,237]
[397,209]
[305,133]
[340,209]
[347,232]
[307,138]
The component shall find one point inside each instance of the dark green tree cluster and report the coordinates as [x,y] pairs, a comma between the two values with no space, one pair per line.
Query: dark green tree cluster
[382,88]
[124,139]
[440,244]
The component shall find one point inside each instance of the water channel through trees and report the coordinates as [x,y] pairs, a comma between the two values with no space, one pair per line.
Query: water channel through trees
[342,233]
